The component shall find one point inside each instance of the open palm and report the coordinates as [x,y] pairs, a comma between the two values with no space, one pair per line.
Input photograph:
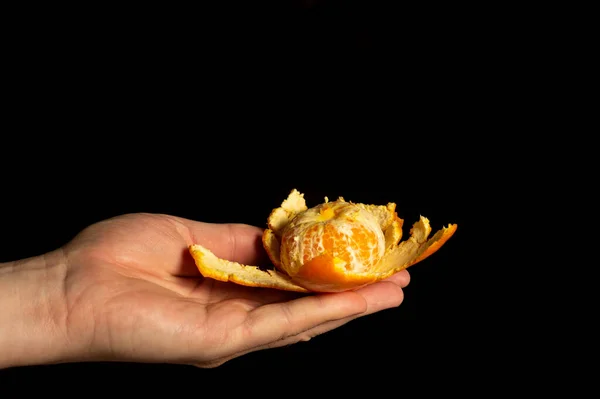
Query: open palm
[133,293]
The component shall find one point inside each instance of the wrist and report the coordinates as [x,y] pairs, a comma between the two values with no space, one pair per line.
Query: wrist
[33,311]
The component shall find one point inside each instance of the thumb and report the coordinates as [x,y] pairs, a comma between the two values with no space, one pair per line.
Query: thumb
[235,242]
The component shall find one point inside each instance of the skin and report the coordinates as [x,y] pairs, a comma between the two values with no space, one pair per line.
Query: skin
[126,289]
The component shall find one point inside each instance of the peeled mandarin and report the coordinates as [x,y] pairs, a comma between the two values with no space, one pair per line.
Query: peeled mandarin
[334,246]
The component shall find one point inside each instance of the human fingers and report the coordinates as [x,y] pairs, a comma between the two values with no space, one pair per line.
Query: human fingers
[402,278]
[235,242]
[382,295]
[279,321]
[377,297]
[281,324]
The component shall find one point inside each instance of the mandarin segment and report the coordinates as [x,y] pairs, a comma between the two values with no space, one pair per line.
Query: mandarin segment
[348,233]
[326,273]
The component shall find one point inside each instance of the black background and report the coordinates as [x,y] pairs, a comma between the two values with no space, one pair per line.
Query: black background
[114,111]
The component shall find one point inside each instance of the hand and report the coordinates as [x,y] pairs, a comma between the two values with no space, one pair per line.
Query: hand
[130,291]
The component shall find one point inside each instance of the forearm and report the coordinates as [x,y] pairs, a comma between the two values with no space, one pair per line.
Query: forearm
[32,311]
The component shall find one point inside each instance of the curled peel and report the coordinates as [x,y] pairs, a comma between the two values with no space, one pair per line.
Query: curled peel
[223,270]
[334,246]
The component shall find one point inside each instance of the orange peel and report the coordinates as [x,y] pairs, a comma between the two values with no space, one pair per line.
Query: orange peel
[332,247]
